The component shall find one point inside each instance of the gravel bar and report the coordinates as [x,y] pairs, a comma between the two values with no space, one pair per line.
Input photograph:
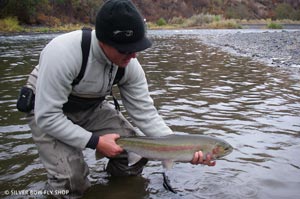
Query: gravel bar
[275,48]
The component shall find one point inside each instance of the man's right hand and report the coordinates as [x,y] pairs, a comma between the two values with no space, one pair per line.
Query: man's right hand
[107,145]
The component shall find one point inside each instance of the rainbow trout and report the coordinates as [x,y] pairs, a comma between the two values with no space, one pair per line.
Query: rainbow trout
[172,148]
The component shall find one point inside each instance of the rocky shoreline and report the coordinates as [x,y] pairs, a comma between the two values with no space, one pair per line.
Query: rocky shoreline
[275,48]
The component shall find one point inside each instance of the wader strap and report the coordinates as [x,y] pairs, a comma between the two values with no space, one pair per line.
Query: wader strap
[119,75]
[85,48]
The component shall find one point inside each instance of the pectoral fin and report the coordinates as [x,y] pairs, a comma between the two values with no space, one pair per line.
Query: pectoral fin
[133,158]
[168,164]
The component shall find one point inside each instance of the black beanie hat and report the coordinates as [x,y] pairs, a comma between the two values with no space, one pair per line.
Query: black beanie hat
[120,25]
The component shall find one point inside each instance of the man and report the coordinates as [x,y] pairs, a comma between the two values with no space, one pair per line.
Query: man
[61,134]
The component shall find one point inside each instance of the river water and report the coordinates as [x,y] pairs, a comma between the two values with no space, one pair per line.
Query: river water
[197,89]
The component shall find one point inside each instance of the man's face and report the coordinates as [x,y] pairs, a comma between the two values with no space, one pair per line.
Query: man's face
[119,58]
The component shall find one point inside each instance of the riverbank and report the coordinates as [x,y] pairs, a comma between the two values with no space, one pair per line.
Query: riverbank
[273,47]
[276,48]
[12,26]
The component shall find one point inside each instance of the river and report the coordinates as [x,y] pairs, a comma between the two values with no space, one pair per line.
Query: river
[197,89]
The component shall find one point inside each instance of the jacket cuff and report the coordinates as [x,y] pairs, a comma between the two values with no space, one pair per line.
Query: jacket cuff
[92,143]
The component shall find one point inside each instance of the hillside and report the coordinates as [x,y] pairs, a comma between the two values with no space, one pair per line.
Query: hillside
[238,9]
[58,12]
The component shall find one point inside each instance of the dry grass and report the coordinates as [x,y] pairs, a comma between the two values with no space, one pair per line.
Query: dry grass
[207,21]
[10,24]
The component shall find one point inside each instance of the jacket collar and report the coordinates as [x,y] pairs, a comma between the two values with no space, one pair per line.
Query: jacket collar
[98,52]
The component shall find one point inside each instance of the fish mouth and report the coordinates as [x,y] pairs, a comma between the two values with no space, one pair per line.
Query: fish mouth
[227,150]
[221,151]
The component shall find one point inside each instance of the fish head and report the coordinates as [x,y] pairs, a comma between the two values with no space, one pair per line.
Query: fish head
[221,149]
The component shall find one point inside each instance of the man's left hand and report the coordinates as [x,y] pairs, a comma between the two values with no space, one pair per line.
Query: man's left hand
[200,159]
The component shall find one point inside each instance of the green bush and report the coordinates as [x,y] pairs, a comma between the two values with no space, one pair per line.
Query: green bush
[161,22]
[273,25]
[10,24]
[217,18]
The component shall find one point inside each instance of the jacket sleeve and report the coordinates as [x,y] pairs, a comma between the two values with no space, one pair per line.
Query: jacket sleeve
[57,69]
[138,102]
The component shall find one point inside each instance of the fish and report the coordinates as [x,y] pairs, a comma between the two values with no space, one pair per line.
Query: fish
[173,148]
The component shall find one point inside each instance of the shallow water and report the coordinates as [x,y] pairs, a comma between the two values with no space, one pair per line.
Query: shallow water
[197,89]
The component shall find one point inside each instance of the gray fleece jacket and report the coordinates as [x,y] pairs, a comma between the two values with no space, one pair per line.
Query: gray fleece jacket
[60,63]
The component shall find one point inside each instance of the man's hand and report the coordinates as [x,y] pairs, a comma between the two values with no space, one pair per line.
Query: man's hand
[107,145]
[199,159]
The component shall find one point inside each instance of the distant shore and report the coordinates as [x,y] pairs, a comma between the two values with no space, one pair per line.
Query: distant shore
[11,26]
[279,48]
[273,47]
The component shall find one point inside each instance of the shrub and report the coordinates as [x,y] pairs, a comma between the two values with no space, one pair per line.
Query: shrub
[283,11]
[224,24]
[237,12]
[177,20]
[10,24]
[48,20]
[217,18]
[161,22]
[273,25]
[296,15]
[201,19]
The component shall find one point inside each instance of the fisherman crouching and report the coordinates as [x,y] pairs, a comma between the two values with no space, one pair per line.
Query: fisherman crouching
[70,109]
